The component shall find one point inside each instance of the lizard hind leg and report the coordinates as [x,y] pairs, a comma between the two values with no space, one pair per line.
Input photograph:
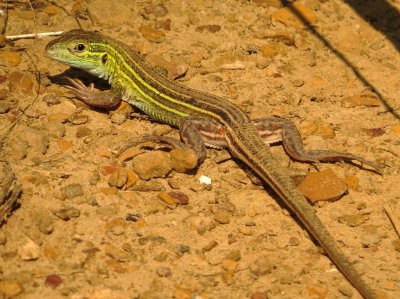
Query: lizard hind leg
[276,129]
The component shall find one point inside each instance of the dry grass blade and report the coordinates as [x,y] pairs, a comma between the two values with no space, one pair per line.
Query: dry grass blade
[395,220]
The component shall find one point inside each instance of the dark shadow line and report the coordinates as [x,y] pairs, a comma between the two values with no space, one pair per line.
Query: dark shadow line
[343,58]
[381,15]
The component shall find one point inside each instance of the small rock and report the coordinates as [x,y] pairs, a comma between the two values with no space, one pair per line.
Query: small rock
[346,291]
[209,246]
[222,216]
[118,178]
[53,280]
[152,165]
[4,93]
[259,295]
[51,99]
[53,10]
[173,70]
[286,16]
[261,266]
[353,220]
[132,178]
[144,186]
[71,191]
[352,182]
[22,82]
[64,144]
[56,129]
[229,265]
[106,210]
[78,119]
[234,255]
[208,28]
[163,271]
[115,253]
[67,213]
[45,223]
[157,10]
[152,34]
[4,107]
[293,241]
[10,58]
[9,288]
[317,128]
[270,50]
[83,132]
[322,186]
[374,132]
[368,100]
[182,249]
[3,237]
[38,140]
[29,251]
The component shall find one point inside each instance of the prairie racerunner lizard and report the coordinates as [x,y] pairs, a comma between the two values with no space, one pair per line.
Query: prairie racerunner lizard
[203,119]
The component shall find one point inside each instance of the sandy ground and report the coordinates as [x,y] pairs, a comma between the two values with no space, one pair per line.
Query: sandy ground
[76,235]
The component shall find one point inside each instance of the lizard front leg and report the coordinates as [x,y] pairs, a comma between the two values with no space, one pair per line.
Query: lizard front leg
[87,95]
[275,129]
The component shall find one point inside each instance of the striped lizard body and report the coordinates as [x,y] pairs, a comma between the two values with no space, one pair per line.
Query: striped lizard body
[201,118]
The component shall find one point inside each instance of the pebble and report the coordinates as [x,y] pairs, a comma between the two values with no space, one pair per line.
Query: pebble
[176,183]
[64,144]
[346,291]
[352,182]
[108,210]
[373,132]
[144,186]
[53,280]
[209,246]
[234,255]
[163,271]
[368,100]
[53,10]
[71,191]
[182,249]
[154,164]
[173,70]
[261,266]
[132,178]
[317,128]
[157,10]
[4,93]
[29,251]
[83,131]
[222,216]
[322,186]
[294,241]
[289,18]
[9,288]
[51,99]
[208,28]
[118,178]
[78,119]
[353,220]
[183,160]
[21,82]
[115,252]
[229,265]
[269,50]
[3,237]
[152,34]
[259,295]
[56,130]
[38,140]
[4,107]
[45,223]
[67,213]
[10,58]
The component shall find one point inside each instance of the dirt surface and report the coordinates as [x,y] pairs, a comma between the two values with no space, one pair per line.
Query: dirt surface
[88,228]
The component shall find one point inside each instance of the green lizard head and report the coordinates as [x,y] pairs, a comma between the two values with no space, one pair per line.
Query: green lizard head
[81,49]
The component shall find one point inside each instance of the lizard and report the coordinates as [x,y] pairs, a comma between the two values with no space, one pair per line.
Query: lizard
[203,120]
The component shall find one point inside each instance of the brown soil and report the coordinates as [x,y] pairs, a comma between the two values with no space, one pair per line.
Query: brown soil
[73,235]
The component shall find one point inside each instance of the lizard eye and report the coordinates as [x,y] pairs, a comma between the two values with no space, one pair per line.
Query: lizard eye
[79,47]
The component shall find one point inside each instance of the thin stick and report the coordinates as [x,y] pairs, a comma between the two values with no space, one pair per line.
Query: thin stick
[33,35]
[395,220]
